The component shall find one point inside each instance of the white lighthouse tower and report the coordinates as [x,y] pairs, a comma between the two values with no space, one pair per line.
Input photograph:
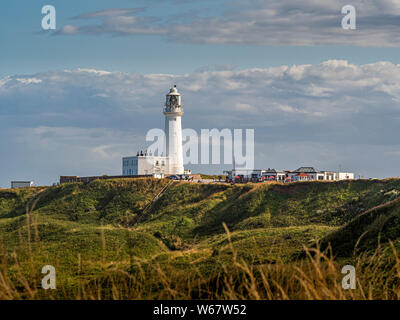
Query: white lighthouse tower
[173,131]
[146,163]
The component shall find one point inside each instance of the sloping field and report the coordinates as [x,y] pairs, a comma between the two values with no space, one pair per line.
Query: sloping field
[89,230]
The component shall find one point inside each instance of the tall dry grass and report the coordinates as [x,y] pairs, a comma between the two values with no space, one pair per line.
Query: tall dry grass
[316,276]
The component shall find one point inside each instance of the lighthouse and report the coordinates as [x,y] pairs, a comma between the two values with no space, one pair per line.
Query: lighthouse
[173,112]
[147,163]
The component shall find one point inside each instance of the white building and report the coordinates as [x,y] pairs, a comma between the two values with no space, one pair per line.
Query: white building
[345,175]
[330,175]
[143,165]
[274,174]
[267,174]
[172,163]
[301,174]
[312,174]
[241,172]
[21,184]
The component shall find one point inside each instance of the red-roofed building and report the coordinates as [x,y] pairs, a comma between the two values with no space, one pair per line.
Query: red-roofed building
[302,177]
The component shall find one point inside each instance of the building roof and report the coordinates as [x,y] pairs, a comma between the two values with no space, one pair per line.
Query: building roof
[144,157]
[27,181]
[269,170]
[307,170]
[173,91]
[302,174]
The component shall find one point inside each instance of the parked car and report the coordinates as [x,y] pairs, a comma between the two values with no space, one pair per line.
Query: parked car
[174,177]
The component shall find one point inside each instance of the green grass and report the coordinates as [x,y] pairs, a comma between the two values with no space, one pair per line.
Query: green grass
[377,225]
[86,229]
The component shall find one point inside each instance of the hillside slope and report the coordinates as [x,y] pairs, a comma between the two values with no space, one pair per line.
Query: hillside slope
[377,225]
[115,222]
[195,212]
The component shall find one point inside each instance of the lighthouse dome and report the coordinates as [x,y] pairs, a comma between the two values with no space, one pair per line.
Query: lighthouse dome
[173,91]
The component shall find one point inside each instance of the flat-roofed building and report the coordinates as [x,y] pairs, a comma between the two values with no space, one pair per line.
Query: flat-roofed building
[301,174]
[345,175]
[274,174]
[144,165]
[22,184]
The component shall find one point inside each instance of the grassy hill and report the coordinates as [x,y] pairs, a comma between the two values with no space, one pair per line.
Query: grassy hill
[89,231]
[369,229]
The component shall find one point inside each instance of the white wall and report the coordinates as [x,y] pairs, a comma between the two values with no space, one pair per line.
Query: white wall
[21,184]
[346,176]
[143,165]
[173,130]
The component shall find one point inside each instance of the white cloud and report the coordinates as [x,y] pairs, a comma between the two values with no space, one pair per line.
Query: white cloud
[68,30]
[98,72]
[82,121]
[28,80]
[108,13]
[244,107]
[255,22]
[290,109]
[4,81]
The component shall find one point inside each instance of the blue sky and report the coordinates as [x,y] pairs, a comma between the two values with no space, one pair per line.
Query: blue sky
[26,49]
[338,103]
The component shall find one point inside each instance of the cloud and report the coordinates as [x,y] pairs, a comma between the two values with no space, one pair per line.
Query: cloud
[109,13]
[243,107]
[256,22]
[4,81]
[28,80]
[45,153]
[94,71]
[115,22]
[82,121]
[68,30]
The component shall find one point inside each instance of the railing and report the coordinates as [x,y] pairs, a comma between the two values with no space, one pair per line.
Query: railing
[173,109]
[163,190]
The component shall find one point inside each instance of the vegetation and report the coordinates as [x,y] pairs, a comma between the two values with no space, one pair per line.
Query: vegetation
[109,239]
[213,177]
